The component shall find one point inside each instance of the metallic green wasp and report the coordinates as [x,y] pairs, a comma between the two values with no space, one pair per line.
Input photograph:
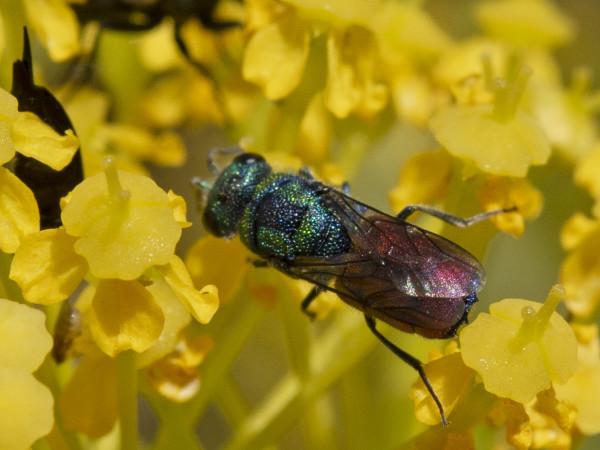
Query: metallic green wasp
[383,266]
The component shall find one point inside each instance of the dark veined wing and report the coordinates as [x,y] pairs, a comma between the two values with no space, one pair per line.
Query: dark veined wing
[419,263]
[413,279]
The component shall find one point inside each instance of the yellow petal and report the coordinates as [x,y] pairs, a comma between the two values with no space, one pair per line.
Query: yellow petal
[406,28]
[176,376]
[503,192]
[470,133]
[536,23]
[34,138]
[580,274]
[124,316]
[203,303]
[27,409]
[46,267]
[163,149]
[579,389]
[576,229]
[19,213]
[124,233]
[414,183]
[89,401]
[177,204]
[450,379]
[176,318]
[314,137]
[56,25]
[276,55]
[210,261]
[158,50]
[24,340]
[351,86]
[8,114]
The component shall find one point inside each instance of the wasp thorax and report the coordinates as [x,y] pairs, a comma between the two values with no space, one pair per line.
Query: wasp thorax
[231,192]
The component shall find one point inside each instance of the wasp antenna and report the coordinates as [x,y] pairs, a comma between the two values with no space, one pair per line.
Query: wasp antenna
[220,151]
[200,184]
[201,189]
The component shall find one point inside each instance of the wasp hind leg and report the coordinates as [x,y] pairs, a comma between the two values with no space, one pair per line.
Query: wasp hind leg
[458,222]
[316,290]
[411,361]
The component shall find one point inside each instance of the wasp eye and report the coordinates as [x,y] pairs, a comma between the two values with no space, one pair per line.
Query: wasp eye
[211,225]
[248,158]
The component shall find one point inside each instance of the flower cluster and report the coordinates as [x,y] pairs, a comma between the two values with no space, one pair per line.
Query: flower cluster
[464,105]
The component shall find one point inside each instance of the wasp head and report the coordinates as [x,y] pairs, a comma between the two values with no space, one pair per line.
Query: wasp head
[232,191]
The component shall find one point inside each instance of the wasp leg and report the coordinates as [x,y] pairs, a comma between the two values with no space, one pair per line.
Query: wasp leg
[259,263]
[316,290]
[451,219]
[304,172]
[411,361]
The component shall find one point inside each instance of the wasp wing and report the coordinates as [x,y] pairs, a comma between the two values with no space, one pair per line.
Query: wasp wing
[420,263]
[413,279]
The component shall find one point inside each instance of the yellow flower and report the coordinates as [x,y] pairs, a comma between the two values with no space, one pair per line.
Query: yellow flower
[19,213]
[91,407]
[27,405]
[216,261]
[503,192]
[182,97]
[8,114]
[551,421]
[450,379]
[46,267]
[521,347]
[583,389]
[566,114]
[35,139]
[176,376]
[529,22]
[125,235]
[498,138]
[459,69]
[201,304]
[415,183]
[351,66]
[580,271]
[123,223]
[56,24]
[544,422]
[29,135]
[277,54]
[124,316]
[164,149]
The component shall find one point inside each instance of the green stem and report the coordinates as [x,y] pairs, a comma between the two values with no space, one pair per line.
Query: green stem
[295,326]
[127,395]
[340,348]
